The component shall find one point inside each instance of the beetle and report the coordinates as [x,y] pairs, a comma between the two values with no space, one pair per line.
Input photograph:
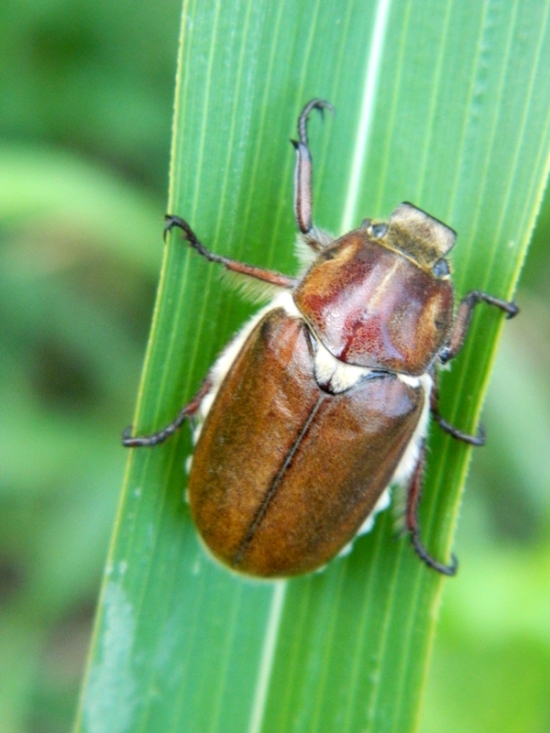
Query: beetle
[321,403]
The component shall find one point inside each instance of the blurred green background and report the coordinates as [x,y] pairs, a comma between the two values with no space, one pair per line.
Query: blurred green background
[85,116]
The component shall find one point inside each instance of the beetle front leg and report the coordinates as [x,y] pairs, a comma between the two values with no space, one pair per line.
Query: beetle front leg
[303,173]
[189,410]
[273,278]
[464,317]
[413,500]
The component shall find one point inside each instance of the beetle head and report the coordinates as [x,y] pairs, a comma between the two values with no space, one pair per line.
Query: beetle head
[416,235]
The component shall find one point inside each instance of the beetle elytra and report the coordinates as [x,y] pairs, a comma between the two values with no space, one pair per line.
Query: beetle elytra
[322,401]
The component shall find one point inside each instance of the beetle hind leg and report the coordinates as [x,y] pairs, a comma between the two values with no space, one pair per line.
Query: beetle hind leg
[190,409]
[413,500]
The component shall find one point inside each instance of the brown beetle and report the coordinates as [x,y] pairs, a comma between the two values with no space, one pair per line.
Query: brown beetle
[322,401]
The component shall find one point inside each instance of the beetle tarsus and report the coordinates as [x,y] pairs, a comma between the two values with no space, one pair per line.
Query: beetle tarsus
[413,500]
[189,410]
[176,221]
[425,556]
[321,105]
[268,276]
[128,441]
[303,201]
[464,317]
[477,440]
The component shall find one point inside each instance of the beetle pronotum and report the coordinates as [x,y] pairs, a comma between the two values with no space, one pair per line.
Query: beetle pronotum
[322,401]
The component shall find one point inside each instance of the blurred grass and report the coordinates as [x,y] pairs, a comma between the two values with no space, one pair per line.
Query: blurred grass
[79,251]
[85,112]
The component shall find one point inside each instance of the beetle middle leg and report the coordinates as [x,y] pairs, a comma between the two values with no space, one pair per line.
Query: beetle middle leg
[190,409]
[459,332]
[477,440]
[268,276]
[414,494]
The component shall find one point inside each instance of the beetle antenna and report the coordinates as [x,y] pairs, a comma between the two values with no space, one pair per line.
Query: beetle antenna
[413,500]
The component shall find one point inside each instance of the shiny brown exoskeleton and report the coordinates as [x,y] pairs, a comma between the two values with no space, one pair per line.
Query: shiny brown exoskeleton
[322,401]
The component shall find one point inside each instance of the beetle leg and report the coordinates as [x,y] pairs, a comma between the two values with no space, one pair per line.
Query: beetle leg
[413,500]
[189,410]
[273,278]
[303,173]
[477,440]
[464,316]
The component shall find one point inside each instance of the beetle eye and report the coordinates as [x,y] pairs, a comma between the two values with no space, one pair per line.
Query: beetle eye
[378,230]
[441,268]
